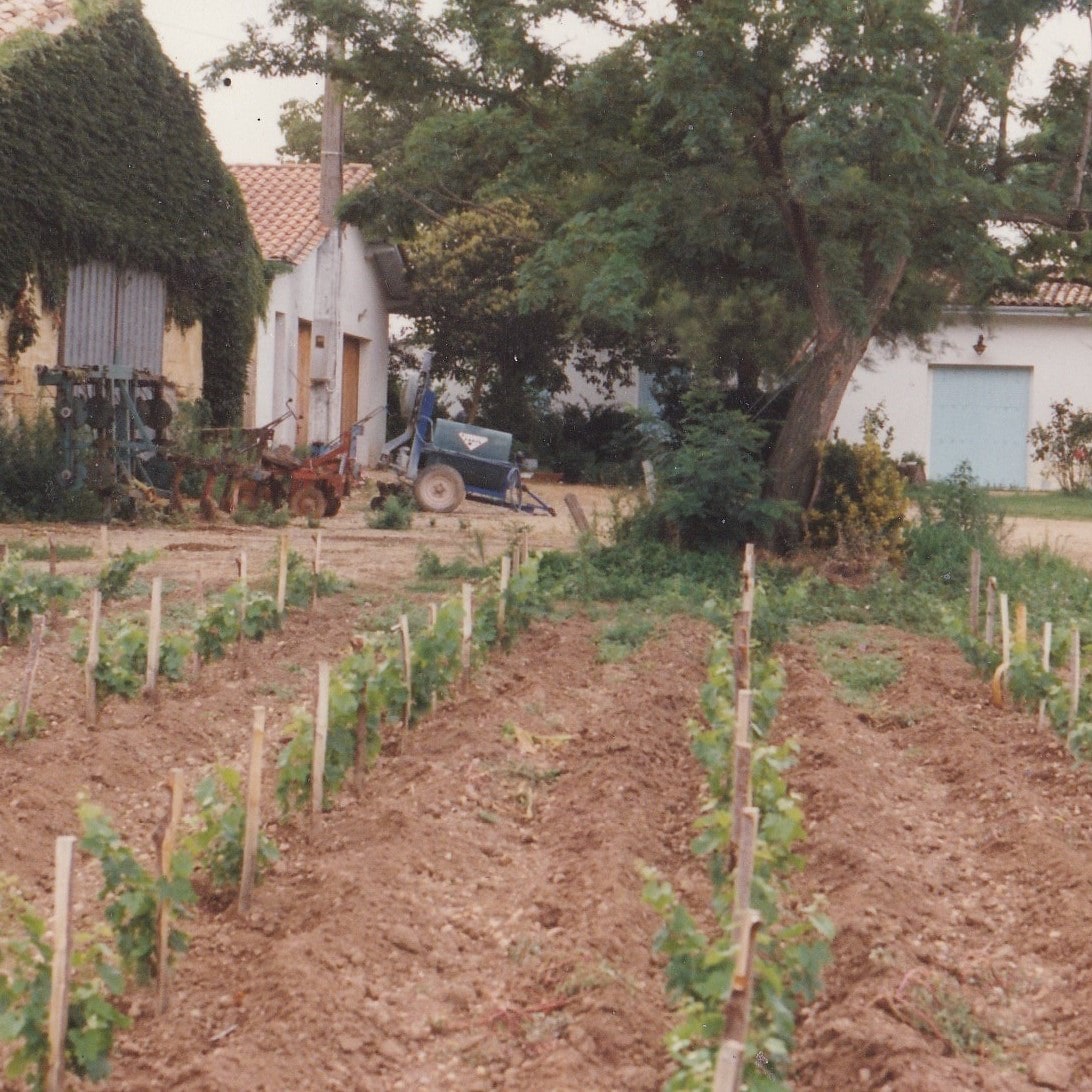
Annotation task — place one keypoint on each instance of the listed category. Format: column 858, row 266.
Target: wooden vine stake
column 64, row 852
column 524, row 547
column 741, row 651
column 576, row 510
column 322, row 725
column 991, row 607
column 282, row 572
column 502, row 599
column 176, row 788
column 1074, row 673
column 997, row 690
column 738, row 1010
column 92, row 661
column 155, row 621
column 1048, row 634
column 316, row 568
column 407, row 672
column 242, row 569
column 52, row 554
column 37, row 633
column 741, row 762
column 746, row 841
column 650, row 480
column 468, row 625
column 747, row 579
column 976, row 584
column 253, row 811
column 361, row 758
column 104, row 541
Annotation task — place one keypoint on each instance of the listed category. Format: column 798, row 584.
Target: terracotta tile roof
column 282, row 201
column 52, row 16
column 1050, row 293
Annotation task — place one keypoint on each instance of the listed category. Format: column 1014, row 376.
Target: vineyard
column 514, row 859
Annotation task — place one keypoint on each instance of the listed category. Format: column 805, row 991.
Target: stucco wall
column 1055, row 344
column 363, row 314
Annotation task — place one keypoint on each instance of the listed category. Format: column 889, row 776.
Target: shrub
column 396, row 514
column 861, row 501
column 1064, row 443
column 709, row 488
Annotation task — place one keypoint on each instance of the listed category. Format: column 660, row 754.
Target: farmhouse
column 323, row 342
column 973, row 390
column 124, row 243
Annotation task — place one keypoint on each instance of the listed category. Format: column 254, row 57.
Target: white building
column 324, row 340
column 980, row 384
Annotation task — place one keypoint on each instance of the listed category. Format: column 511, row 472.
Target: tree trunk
column 795, row 458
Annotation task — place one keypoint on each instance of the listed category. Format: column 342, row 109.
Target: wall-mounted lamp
column 980, row 344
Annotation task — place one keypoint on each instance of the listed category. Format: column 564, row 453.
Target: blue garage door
column 980, row 416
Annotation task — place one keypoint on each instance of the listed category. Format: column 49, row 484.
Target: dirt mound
column 953, row 842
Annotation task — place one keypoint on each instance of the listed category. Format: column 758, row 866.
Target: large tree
column 759, row 187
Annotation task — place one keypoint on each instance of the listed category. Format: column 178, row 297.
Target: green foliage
column 431, row 570
column 396, row 514
column 859, row 661
column 301, row 582
column 219, row 625
column 131, row 895
column 861, row 502
column 24, row 594
column 30, row 473
column 602, row 444
column 9, row 723
column 25, row 978
column 216, row 841
column 791, row 952
column 709, row 489
column 265, row 515
column 113, row 580
column 123, row 656
column 1064, row 444
column 624, row 635
column 114, row 159
column 25, row 550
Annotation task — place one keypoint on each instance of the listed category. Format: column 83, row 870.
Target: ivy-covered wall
column 104, row 153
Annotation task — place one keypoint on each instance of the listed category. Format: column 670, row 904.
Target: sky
column 243, row 117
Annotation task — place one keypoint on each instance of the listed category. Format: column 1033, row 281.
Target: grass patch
column 433, row 574
column 860, row 661
column 1043, row 505
column 624, row 635
column 37, row 551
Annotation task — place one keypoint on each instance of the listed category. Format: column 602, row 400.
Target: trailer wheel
column 439, row 488
column 307, row 501
column 333, row 503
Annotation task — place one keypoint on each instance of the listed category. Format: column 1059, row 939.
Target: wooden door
column 350, row 382
column 303, row 381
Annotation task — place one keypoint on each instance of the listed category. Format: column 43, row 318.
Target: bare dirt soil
column 473, row 920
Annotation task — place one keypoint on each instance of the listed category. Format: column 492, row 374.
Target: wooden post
column 991, row 606
column 741, row 761
column 1048, row 634
column 104, row 542
column 322, row 724
column 92, row 661
column 52, row 554
column 242, row 572
column 738, row 1010
column 361, row 763
column 37, row 633
column 176, row 787
column 572, row 502
column 155, row 614
column 1020, row 635
column 741, row 650
column 468, row 624
column 524, row 547
column 433, row 617
column 316, row 566
column 253, row 811
column 1074, row 673
column 747, row 576
column 407, row 670
column 746, row 837
column 729, row 1071
column 650, row 480
column 976, row 582
column 502, row 599
column 63, row 854
column 282, row 572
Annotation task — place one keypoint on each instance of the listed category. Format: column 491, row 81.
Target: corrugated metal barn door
column 114, row 316
column 980, row 416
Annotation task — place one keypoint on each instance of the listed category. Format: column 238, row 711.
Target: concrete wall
column 1054, row 343
column 362, row 314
